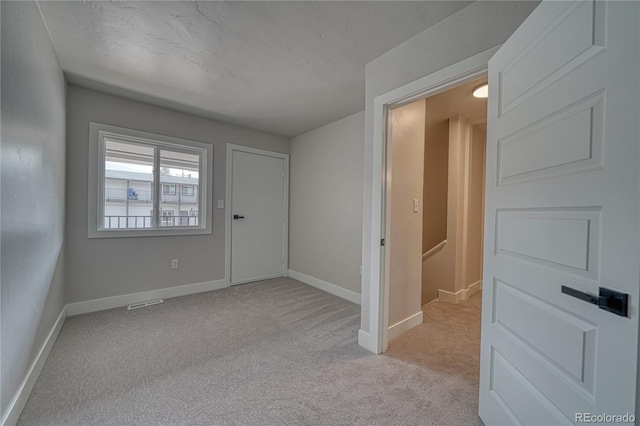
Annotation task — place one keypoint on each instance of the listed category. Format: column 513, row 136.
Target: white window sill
column 125, row 233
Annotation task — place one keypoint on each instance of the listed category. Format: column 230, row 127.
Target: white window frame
column 95, row 223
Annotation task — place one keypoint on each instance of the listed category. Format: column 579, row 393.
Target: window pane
column 187, row 190
column 128, row 185
column 179, row 178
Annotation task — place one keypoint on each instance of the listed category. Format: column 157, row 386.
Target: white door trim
column 439, row 81
column 228, row 199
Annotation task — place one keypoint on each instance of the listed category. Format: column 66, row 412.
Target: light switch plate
column 221, row 204
column 415, row 205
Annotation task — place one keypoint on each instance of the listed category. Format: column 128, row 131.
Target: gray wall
column 475, row 227
column 436, row 158
column 32, row 175
column 472, row 30
column 325, row 209
column 97, row 268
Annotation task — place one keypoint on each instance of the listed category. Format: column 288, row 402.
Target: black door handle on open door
column 609, row 300
column 236, row 217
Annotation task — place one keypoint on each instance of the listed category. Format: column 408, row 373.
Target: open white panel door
column 562, row 209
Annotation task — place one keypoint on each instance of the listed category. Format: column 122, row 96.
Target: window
column 135, row 180
column 169, row 189
column 187, row 190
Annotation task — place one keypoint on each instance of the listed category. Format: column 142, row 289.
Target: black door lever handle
column 609, row 300
column 589, row 298
column 236, row 217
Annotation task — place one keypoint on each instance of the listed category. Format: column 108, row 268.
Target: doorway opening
column 435, row 162
column 453, row 194
column 375, row 298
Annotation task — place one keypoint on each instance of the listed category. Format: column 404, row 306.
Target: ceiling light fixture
column 481, row 91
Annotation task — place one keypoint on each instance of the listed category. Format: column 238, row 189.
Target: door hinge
column 382, row 242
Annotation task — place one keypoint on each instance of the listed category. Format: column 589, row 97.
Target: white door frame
column 228, row 203
column 461, row 72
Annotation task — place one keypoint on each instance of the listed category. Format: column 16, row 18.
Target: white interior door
column 258, row 208
column 562, row 205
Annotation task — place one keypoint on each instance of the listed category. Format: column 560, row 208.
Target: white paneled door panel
column 258, row 206
column 562, row 209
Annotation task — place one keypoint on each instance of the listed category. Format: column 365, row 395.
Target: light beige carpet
column 276, row 352
column 448, row 341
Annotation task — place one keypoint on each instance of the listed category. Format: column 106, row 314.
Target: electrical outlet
column 174, row 264
column 360, row 270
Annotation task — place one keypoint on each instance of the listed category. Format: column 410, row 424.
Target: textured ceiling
column 280, row 67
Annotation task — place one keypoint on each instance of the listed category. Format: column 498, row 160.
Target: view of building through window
column 129, row 187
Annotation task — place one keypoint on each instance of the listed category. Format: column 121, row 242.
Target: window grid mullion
column 156, row 188
column 202, row 185
column 101, row 181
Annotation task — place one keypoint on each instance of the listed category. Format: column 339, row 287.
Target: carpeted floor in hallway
column 448, row 341
column 275, row 352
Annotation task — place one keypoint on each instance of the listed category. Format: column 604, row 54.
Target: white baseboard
column 336, row 290
column 460, row 295
column 126, row 299
column 450, row 297
column 405, row 325
column 429, row 303
column 18, row 402
column 474, row 288
column 364, row 340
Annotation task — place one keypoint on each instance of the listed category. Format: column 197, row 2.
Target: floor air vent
column 144, row 304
